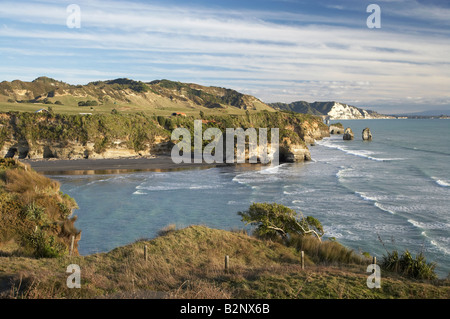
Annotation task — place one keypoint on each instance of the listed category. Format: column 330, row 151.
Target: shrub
column 409, row 266
column 161, row 121
column 274, row 221
column 34, row 213
column 43, row 245
column 87, row 103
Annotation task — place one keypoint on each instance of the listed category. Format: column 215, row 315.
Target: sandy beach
column 111, row 166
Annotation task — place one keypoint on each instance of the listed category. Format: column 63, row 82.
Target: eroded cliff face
column 314, row 131
column 36, row 136
column 36, row 139
column 45, row 149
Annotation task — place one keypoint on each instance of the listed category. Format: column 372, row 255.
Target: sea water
column 390, row 193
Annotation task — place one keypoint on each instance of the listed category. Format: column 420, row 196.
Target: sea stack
column 366, row 134
column 348, row 134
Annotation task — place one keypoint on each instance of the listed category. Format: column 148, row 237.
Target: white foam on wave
column 375, row 199
column 366, row 197
column 342, row 173
column 437, row 244
column 430, row 225
column 299, row 192
column 139, row 193
column 367, row 154
column 272, row 169
column 441, row 182
column 360, row 153
column 378, row 205
column 440, row 247
column 266, row 175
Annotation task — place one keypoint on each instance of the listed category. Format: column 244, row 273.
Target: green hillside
column 160, row 97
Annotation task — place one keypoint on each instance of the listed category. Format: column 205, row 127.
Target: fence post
column 145, row 253
column 374, row 260
column 227, row 262
column 303, row 259
column 72, row 243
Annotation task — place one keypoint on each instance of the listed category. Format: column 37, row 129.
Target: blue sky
column 278, row 51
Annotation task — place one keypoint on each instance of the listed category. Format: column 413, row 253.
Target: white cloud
column 242, row 49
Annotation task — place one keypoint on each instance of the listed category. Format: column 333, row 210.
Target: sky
column 276, row 50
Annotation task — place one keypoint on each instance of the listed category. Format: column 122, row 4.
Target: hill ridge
column 157, row 94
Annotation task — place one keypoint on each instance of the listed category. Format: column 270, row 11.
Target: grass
column 189, row 263
column 164, row 108
column 34, row 215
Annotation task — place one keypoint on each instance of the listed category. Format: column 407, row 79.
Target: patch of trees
column 88, row 103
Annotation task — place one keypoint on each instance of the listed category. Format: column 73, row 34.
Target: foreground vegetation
column 189, row 263
column 35, row 216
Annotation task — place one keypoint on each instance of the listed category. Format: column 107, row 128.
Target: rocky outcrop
column 334, row 129
column 313, row 131
column 366, row 134
column 348, row 134
column 293, row 153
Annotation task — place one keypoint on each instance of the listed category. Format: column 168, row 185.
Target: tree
column 275, row 220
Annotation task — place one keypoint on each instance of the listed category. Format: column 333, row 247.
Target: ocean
column 390, row 193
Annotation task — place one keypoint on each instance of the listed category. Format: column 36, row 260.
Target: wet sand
column 112, row 166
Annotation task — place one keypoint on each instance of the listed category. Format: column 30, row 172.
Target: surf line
column 213, row 152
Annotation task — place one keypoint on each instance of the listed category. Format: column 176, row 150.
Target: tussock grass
column 189, row 263
column 27, row 181
column 34, row 215
column 327, row 252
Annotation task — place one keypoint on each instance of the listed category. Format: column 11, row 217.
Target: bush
column 87, row 103
column 161, row 120
column 409, row 266
column 34, row 213
column 274, row 221
column 43, row 245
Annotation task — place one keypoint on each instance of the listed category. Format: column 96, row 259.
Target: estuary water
column 390, row 193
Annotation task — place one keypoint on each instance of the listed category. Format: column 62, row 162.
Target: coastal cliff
column 56, row 136
column 331, row 110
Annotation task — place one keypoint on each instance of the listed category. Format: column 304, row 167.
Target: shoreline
column 161, row 163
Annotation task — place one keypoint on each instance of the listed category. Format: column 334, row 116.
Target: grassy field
column 189, row 263
column 163, row 107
